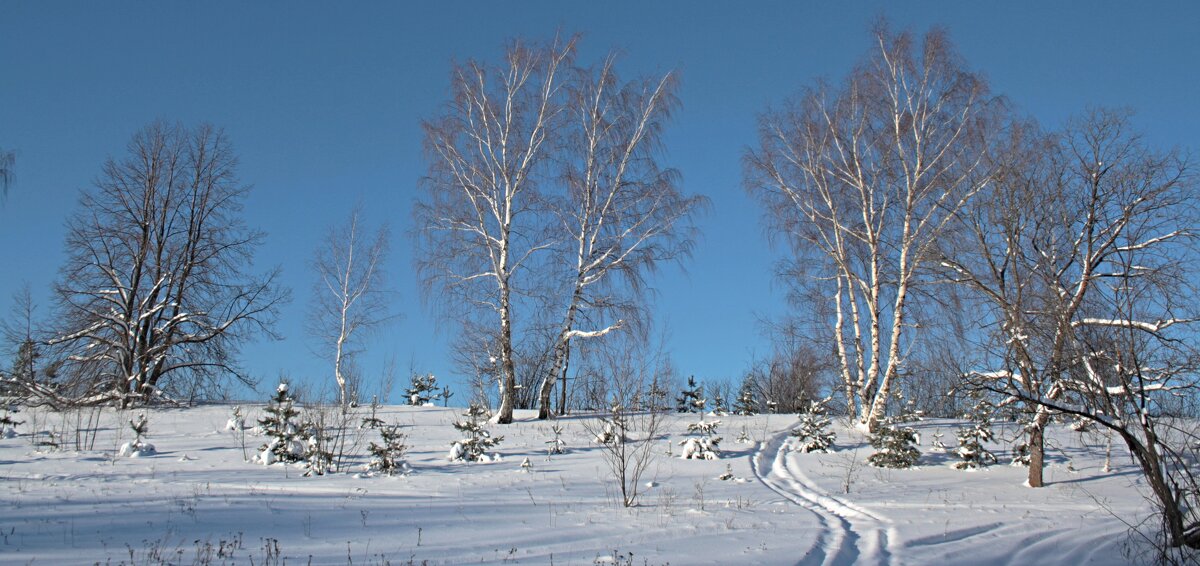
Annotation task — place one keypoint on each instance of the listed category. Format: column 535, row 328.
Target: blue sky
column 323, row 104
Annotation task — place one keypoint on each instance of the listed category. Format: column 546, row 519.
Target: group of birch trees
column 546, row 193
column 1071, row 253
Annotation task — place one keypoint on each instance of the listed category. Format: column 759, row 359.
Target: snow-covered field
column 198, row 500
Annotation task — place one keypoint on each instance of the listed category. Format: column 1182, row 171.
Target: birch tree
column 861, row 180
column 1079, row 252
column 622, row 213
column 481, row 213
column 349, row 297
column 156, row 293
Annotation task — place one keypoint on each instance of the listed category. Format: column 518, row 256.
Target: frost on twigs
column 813, row 434
column 476, row 440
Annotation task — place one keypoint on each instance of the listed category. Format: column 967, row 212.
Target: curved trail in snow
column 849, row 534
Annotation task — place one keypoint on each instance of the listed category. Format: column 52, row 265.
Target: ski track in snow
column 850, row 534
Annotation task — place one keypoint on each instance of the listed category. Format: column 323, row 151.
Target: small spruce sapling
column 658, row 397
column 423, row 391
column 745, row 405
column 813, row 434
column 372, row 421
column 719, row 408
column 691, row 400
column 704, row 447
column 556, row 445
column 971, row 438
column 476, row 440
column 388, row 456
column 279, row 426
column 237, row 420
column 139, row 447
column 895, row 447
column 446, row 394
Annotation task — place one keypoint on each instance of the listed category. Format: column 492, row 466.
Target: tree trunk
column 508, row 371
column 561, row 350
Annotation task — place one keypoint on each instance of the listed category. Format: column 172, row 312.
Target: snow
column 782, row 507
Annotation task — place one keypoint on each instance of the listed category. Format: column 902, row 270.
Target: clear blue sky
column 323, row 104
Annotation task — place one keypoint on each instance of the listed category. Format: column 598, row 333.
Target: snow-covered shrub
column 744, row 436
column 476, row 440
column 895, row 447
column 237, row 420
column 556, row 445
column 280, row 428
column 1020, row 455
column 1020, row 449
column 704, row 447
column 388, row 456
column 936, row 445
column 691, row 400
column 138, row 447
column 8, row 425
column 607, row 435
column 971, row 449
column 423, row 391
column 813, row 434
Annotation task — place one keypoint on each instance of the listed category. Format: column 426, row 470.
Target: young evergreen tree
column 691, row 400
column 556, row 445
column 971, row 438
column 813, row 434
column 138, row 447
column 423, row 391
column 476, row 440
column 387, row 457
column 895, row 447
column 279, row 426
column 706, row 446
column 746, row 403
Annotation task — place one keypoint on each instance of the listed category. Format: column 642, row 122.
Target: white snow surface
column 197, row 489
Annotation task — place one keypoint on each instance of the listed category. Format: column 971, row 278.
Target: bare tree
column 349, row 297
column 623, row 213
column 628, row 430
column 1078, row 252
column 861, row 181
column 154, row 297
column 479, row 215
